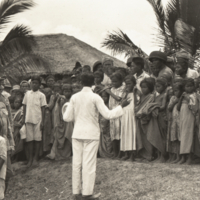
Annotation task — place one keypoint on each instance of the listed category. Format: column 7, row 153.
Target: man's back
column 86, row 115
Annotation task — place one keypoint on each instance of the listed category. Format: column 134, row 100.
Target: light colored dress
column 187, row 123
column 115, row 124
column 128, row 127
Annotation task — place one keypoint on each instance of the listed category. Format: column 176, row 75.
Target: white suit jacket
column 84, row 109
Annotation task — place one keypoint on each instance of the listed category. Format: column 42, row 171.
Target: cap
column 159, row 55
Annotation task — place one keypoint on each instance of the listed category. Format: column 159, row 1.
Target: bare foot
column 35, row 163
column 124, row 158
column 181, row 161
column 29, row 164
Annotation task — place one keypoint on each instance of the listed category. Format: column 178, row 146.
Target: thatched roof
column 63, row 51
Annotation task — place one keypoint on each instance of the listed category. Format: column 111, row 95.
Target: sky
column 91, row 20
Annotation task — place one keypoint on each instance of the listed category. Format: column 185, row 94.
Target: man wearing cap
column 182, row 66
column 158, row 60
column 136, row 65
column 107, row 63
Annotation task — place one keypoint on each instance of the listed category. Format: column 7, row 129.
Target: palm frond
column 8, row 8
column 120, row 43
column 24, row 65
column 18, row 40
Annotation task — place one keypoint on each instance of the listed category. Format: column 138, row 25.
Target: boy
column 34, row 106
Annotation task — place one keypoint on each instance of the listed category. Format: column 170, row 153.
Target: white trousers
column 84, row 158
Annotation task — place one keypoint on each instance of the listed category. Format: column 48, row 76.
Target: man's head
column 36, row 81
column 86, row 69
column 182, row 63
column 87, row 79
column 135, row 64
column 158, row 59
column 107, row 63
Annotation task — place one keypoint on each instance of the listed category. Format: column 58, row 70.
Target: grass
column 116, row 180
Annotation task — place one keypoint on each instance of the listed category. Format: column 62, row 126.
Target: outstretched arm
column 110, row 114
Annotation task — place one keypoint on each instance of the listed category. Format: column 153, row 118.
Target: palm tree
column 119, row 43
column 16, row 48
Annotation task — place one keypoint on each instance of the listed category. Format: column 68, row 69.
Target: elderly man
column 158, row 60
column 84, row 109
column 182, row 66
column 136, row 65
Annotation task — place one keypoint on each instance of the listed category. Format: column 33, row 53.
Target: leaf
column 120, row 43
column 18, row 41
column 25, row 65
column 8, row 8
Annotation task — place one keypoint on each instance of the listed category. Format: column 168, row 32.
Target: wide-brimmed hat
column 159, row 55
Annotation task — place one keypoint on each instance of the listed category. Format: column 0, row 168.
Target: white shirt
column 34, row 101
column 84, row 109
column 191, row 73
column 140, row 78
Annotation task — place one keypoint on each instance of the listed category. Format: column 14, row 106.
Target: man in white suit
column 84, row 109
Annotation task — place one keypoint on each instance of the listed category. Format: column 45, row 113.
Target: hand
column 125, row 102
column 41, row 126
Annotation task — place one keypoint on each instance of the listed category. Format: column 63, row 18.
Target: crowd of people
column 161, row 123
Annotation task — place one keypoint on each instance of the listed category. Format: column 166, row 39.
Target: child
column 50, row 81
column 128, row 123
column 24, row 86
column 34, row 106
column 173, row 124
column 105, row 144
column 161, row 99
column 116, row 94
column 47, row 131
column 57, row 88
column 188, row 108
column 76, row 87
column 17, row 113
column 147, row 134
column 98, row 78
column 61, row 148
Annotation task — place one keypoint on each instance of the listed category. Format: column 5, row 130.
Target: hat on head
column 7, row 83
column 50, row 76
column 16, row 87
column 159, row 55
column 24, row 81
column 134, row 57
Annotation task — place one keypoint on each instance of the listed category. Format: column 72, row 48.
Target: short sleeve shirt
column 34, row 101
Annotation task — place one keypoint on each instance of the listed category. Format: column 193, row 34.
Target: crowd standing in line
column 161, row 123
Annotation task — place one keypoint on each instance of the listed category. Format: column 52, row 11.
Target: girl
column 105, row 145
column 161, row 100
column 62, row 147
column 188, row 108
column 147, row 135
column 128, row 123
column 98, row 78
column 18, row 122
column 116, row 94
column 173, row 146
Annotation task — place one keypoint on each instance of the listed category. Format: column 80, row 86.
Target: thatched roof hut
column 59, row 52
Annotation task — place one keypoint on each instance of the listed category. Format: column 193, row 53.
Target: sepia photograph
column 99, row 100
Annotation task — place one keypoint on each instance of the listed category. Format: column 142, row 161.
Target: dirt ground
column 116, row 180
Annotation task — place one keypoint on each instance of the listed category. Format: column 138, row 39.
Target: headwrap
column 50, row 76
column 94, row 67
column 16, row 87
column 24, row 81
